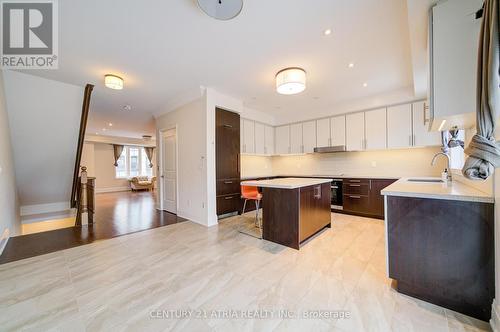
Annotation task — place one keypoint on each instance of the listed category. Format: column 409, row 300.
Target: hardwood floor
column 116, row 214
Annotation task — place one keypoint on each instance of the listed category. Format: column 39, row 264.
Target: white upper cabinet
column 269, row 140
column 296, row 143
column 260, row 142
column 337, row 134
column 375, row 129
column 355, row 134
column 248, row 136
column 399, row 131
column 323, row 133
column 308, row 136
column 455, row 36
column 282, row 135
column 421, row 135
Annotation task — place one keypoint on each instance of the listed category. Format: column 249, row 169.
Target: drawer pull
column 354, row 180
column 354, row 185
column 357, row 197
column 228, row 182
column 229, row 197
column 227, row 126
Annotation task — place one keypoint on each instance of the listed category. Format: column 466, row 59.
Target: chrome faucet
column 447, row 159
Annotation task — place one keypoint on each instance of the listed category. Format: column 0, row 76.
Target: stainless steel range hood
column 330, row 149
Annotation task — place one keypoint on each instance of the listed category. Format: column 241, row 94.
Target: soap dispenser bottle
column 444, row 175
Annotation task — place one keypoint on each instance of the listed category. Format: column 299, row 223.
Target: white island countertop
column 286, row 183
column 452, row 191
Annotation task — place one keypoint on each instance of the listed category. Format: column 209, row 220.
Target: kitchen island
column 294, row 209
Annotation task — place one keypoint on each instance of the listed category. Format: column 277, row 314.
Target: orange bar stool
column 252, row 193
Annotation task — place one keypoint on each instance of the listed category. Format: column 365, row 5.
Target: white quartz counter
column 286, row 183
column 451, row 191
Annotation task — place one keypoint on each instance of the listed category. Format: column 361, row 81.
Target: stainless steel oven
column 336, row 188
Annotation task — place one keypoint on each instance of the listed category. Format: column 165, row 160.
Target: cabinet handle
column 317, row 192
column 410, row 140
column 329, row 142
column 357, row 197
column 354, row 185
column 227, row 126
column 228, row 182
column 231, row 197
column 354, row 180
column 414, row 140
column 302, row 148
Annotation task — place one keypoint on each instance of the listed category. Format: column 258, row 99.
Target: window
column 457, row 155
column 133, row 162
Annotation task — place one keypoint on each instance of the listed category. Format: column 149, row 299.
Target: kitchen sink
column 426, row 180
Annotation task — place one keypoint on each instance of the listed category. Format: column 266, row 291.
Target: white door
column 355, row 131
column 375, row 129
column 283, row 140
column 399, row 134
column 323, row 133
column 337, row 125
column 260, row 141
column 309, row 136
column 249, row 136
column 169, row 171
column 296, row 143
column 421, row 135
column 269, row 138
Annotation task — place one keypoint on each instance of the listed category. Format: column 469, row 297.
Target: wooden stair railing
column 75, row 190
column 85, row 199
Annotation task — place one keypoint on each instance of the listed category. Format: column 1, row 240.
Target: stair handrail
column 81, row 139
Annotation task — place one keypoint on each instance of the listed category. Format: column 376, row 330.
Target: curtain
column 483, row 151
column 149, row 153
column 117, row 152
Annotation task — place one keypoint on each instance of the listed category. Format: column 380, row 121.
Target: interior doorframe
column 160, row 163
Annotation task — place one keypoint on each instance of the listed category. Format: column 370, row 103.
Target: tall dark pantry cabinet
column 227, row 151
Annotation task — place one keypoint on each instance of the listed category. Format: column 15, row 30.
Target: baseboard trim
column 188, row 217
column 4, row 239
column 495, row 316
column 28, row 210
column 111, row 190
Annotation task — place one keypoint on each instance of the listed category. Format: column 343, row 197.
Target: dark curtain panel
column 483, row 151
column 117, row 152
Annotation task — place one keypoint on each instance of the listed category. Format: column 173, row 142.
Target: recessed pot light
column 327, row 32
column 351, row 65
column 110, row 124
column 365, row 85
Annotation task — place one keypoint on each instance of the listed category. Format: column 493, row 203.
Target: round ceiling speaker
column 221, row 9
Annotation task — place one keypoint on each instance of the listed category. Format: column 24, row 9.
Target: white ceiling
column 166, row 50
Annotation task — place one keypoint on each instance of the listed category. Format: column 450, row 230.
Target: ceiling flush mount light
column 221, row 9
column 327, row 32
column 290, row 81
column 113, row 82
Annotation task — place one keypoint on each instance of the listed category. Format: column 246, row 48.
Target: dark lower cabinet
column 442, row 251
column 362, row 196
column 227, row 154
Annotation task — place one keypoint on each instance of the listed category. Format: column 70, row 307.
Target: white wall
column 404, row 162
column 370, row 102
column 190, row 120
column 44, row 119
column 9, row 210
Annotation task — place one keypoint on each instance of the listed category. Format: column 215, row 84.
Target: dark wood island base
column 291, row 216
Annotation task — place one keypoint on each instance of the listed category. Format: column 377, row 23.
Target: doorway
column 168, row 178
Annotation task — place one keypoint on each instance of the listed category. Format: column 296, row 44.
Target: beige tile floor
column 118, row 284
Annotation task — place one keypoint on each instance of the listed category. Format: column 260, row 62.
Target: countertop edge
column 464, row 198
